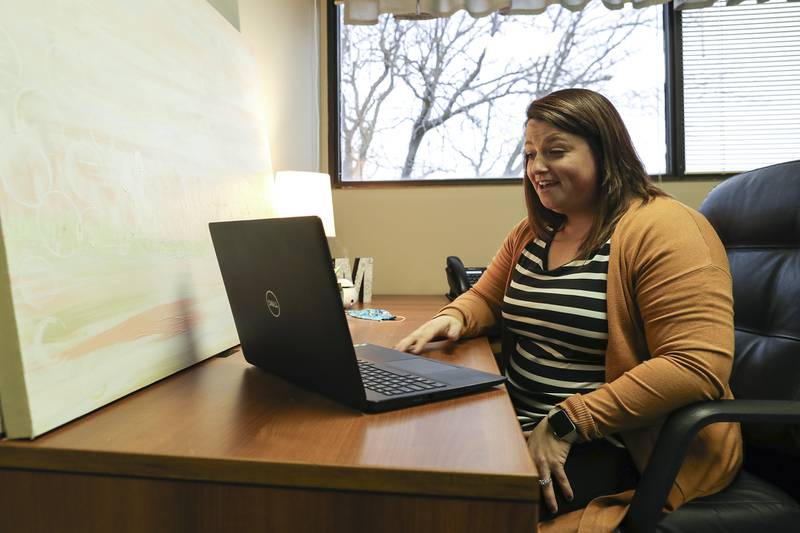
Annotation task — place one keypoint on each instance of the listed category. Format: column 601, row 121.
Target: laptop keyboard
column 391, row 384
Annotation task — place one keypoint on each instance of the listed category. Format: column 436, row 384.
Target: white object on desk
column 362, row 280
column 347, row 292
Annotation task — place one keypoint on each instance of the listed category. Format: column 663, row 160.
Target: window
column 444, row 99
column 741, row 86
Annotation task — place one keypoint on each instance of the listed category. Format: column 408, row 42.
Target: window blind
column 741, row 79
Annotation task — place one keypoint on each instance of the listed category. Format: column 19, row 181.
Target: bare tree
column 361, row 52
column 453, row 71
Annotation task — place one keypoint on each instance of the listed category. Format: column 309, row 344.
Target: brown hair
column 621, row 175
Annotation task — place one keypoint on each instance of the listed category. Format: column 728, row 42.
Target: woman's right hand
column 441, row 326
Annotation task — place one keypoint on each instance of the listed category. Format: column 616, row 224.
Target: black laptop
column 286, row 306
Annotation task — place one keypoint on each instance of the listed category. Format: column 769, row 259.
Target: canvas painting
column 126, row 127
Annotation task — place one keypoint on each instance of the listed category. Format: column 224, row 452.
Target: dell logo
column 273, row 304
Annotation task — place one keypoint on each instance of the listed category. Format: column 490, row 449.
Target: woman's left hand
column 549, row 453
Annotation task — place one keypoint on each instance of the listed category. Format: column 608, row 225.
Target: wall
column 282, row 37
column 410, row 230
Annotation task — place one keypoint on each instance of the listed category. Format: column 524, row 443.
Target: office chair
column 757, row 216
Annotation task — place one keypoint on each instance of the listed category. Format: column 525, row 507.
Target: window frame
column 675, row 132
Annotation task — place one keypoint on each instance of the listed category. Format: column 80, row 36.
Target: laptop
column 285, row 301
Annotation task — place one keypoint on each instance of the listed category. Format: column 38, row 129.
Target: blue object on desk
column 371, row 314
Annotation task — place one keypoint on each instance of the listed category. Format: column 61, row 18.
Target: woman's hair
column 621, row 175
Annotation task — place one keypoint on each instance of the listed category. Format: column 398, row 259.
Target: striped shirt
column 559, row 320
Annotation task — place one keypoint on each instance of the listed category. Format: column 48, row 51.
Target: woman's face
column 562, row 169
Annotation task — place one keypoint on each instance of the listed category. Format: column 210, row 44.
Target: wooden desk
column 225, row 447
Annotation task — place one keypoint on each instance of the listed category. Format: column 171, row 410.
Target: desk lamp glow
column 300, row 194
column 309, row 193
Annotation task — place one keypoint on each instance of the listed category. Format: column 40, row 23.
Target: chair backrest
column 757, row 216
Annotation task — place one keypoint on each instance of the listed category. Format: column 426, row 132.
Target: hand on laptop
column 440, row 327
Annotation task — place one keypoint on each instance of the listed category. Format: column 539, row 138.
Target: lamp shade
column 299, row 194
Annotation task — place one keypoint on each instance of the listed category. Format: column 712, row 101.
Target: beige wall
column 281, row 35
column 409, row 230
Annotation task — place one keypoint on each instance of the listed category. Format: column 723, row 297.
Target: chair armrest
column 673, row 442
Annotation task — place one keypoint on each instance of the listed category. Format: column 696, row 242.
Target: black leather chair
column 757, row 216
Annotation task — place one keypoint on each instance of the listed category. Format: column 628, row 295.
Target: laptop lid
column 284, row 298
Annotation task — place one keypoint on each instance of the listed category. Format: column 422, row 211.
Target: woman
column 617, row 301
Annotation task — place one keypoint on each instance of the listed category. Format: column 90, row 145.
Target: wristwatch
column 563, row 427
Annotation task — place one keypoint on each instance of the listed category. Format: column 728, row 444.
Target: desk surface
column 225, row 421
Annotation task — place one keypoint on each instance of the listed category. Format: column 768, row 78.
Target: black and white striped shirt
column 559, row 320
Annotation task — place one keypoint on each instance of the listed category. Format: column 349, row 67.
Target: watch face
column 561, row 423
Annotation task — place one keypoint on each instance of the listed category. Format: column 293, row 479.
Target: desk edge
column 484, row 485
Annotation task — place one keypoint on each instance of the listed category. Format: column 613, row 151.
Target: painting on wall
column 126, row 127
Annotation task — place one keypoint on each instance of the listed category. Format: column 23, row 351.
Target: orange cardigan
column 670, row 343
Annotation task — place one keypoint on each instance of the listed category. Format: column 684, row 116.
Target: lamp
column 303, row 194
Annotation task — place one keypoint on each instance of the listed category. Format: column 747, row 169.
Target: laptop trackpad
column 420, row 366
